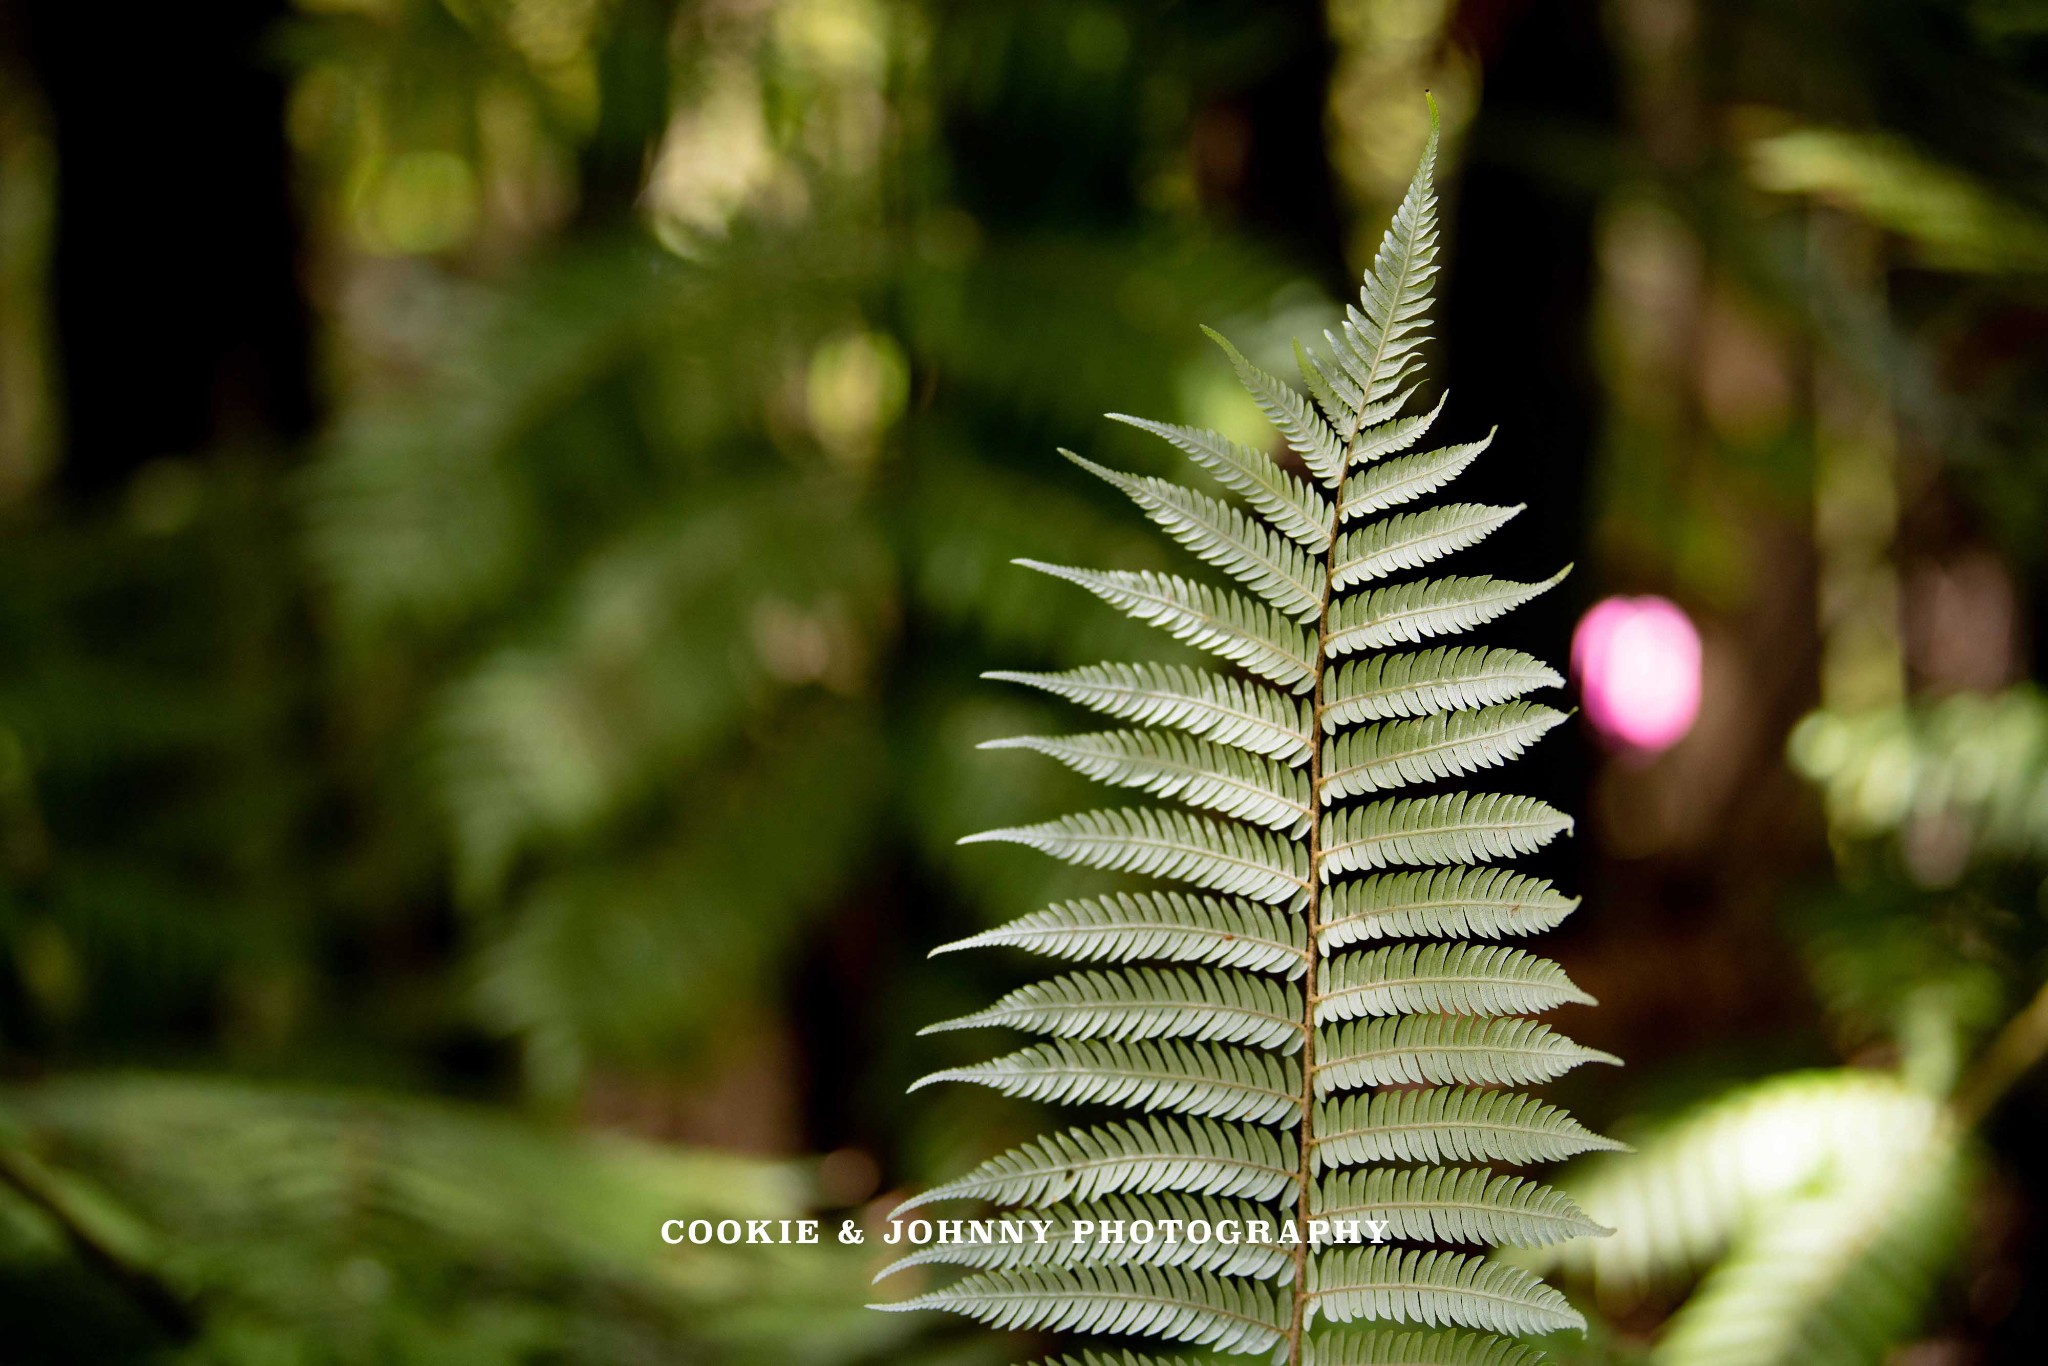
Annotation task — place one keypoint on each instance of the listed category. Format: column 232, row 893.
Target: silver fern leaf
column 1231, row 1314
column 1448, row 1124
column 1457, row 901
column 1168, row 926
column 1294, row 509
column 1455, row 1205
column 1029, row 1239
column 1232, row 1007
column 1411, row 540
column 1440, row 1049
column 1316, row 1034
column 1189, row 1079
column 1443, row 745
column 1426, row 681
column 1227, row 710
column 1240, row 545
column 1223, row 780
column 1435, row 1288
column 1382, row 1347
column 1448, row 979
column 1394, row 482
column 1197, row 1157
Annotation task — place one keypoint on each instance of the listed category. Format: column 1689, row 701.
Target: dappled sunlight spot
column 856, row 387
column 417, row 203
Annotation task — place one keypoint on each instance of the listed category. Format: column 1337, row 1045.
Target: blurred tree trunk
column 1288, row 191
column 1518, row 300
column 178, row 313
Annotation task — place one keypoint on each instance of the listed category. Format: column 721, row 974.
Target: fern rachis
column 1308, row 1029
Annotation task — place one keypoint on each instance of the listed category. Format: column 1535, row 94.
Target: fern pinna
column 1313, row 1034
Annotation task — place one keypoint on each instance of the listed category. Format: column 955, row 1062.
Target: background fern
column 1270, row 1059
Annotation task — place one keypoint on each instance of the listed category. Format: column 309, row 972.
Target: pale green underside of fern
column 1059, row 1245
column 1228, row 1313
column 1379, row 487
column 1214, row 777
column 1411, row 540
column 1445, row 1050
column 1387, row 1347
column 1364, row 1347
column 1443, row 745
column 1454, row 1205
column 1192, row 1079
column 1212, row 1010
column 1196, row 1157
column 1166, row 926
column 1425, row 681
column 1403, row 613
column 1448, row 902
column 1452, row 979
column 1435, row 1287
column 1232, row 1007
column 1270, row 565
column 1216, row 855
column 1448, row 1124
column 1456, row 827
column 1212, row 706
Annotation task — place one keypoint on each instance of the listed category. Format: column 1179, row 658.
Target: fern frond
column 1291, row 415
column 1214, row 1007
column 1296, row 511
column 1391, row 483
column 1383, row 1347
column 1227, row 781
column 1120, row 1359
column 1262, row 1020
column 1268, row 564
column 1424, row 681
column 1451, row 1124
column 1194, row 1157
column 1443, row 745
column 1031, row 1245
column 1441, row 901
column 1233, row 859
column 1172, row 926
column 1455, row 1205
column 1421, row 608
column 1456, row 827
column 1823, row 1208
column 1453, row 979
column 1205, row 1080
column 1410, row 540
column 1245, row 633
column 1436, row 1288
column 1445, row 1050
column 1210, row 1311
column 1213, row 706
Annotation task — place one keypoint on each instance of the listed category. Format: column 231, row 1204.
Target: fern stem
column 1311, row 995
column 1310, row 992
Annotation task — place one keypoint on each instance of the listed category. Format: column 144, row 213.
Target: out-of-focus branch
column 2021, row 1045
column 165, row 1306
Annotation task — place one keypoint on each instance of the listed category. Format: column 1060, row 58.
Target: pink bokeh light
column 1637, row 661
